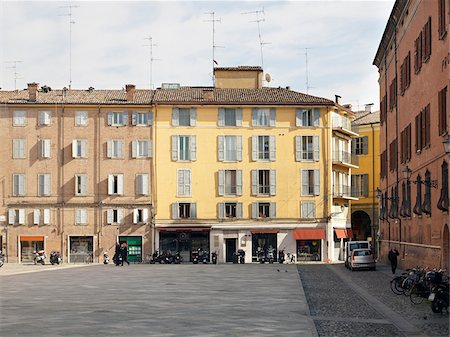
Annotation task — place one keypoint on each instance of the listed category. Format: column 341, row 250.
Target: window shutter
column 254, row 116
column 193, row 116
column 272, row 148
column 144, row 184
column 110, row 118
column 109, row 148
column 427, row 123
column 298, row 148
column 316, row 147
column 46, row 184
column 365, row 145
column 109, row 216
column 133, row 118
column 221, row 180
column 238, row 182
column 273, row 210
column 273, row 117
column 83, row 148
column 220, row 148
column 125, row 118
column 37, row 216
column 11, row 216
column 305, row 182
column 21, row 184
column 316, row 182
column 139, row 184
column 134, row 149
column 77, row 216
column 41, row 117
column 46, row 216
column 221, row 210
column 193, row 211
column 187, row 182
column 21, row 216
column 175, row 117
column 84, row 216
column 254, row 210
column 120, row 215
column 16, row 145
column 254, row 182
column 193, row 149
column 239, row 210
column 83, row 184
column 298, row 117
column 120, row 146
column 135, row 216
column 145, row 215
column 74, row 148
column 221, row 118
column 180, row 182
column 353, row 144
column 120, row 184
column 175, row 214
column 239, row 148
column 46, row 148
column 254, row 148
column 150, row 118
column 365, row 185
column 149, row 149
column 175, row 148
column 238, row 116
column 316, row 117
column 273, row 182
column 110, row 184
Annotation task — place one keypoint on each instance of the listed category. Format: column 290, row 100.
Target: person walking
column 116, row 258
column 124, row 253
column 392, row 256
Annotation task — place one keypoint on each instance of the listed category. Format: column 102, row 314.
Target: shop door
column 81, row 249
column 134, row 244
column 28, row 245
column 230, row 249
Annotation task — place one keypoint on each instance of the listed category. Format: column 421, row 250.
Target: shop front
column 263, row 240
column 184, row 241
column 28, row 245
column 81, row 249
column 134, row 244
column 341, row 236
column 309, row 243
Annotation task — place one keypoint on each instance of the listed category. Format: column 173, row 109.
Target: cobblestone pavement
column 361, row 304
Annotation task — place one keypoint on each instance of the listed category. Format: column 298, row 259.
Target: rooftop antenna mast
column 259, row 18
column 214, row 46
column 14, row 66
column 307, row 75
column 71, row 22
column 151, row 45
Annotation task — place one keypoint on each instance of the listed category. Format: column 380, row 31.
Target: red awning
column 309, row 234
column 265, row 231
column 344, row 233
column 31, row 238
column 184, row 229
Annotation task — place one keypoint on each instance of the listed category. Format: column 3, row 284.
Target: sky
column 109, row 47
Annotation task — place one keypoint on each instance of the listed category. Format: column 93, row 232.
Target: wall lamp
column 379, row 193
column 407, row 175
column 446, row 144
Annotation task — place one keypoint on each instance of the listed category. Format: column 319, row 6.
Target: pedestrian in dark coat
column 116, row 255
column 124, row 253
column 392, row 256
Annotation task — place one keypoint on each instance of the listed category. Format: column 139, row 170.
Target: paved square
column 156, row 300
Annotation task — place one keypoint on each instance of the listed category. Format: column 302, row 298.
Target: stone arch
column 361, row 225
column 445, row 248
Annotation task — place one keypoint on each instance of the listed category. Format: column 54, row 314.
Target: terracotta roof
column 364, row 118
column 240, row 68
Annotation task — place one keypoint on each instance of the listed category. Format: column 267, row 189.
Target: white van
column 349, row 246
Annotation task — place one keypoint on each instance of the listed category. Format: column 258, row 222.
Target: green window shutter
column 150, row 118
column 365, row 185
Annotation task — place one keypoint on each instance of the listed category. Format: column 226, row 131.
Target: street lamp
column 446, row 144
column 407, row 175
column 380, row 193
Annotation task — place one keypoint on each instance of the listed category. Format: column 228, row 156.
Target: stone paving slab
column 156, row 300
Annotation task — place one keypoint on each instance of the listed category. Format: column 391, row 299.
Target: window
column 426, row 43
column 230, row 117
column 341, row 184
column 184, row 148
column 114, row 216
column 44, row 184
column 115, row 184
column 117, row 118
column 80, row 184
column 142, row 118
column 16, row 216
column 19, row 185
column 405, row 139
column 81, row 118
column 114, row 148
column 263, row 182
column 418, row 54
column 230, row 148
column 79, row 148
column 393, row 94
column 383, row 164
column 41, row 217
column 307, row 117
column 442, row 108
column 262, row 210
column 184, row 116
column 383, row 110
column 310, row 182
column 45, row 117
column 81, row 216
column 393, row 155
column 307, row 148
column 142, row 184
column 184, row 210
column 441, row 17
column 19, row 118
column 308, row 209
column 264, row 117
column 19, row 148
column 263, row 148
column 230, row 210
column 423, row 129
column 184, row 179
column 360, row 185
column 230, row 182
column 405, row 73
column 45, row 148
column 361, row 145
column 140, row 216
column 141, row 149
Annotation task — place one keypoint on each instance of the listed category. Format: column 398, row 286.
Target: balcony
column 343, row 125
column 343, row 192
column 346, row 159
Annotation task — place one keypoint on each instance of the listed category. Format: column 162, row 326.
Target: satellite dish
column 268, row 78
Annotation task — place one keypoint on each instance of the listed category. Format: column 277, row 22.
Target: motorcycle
column 39, row 257
column 440, row 298
column 203, row 256
column 270, row 255
column 281, row 256
column 214, row 257
column 241, row 254
column 105, row 258
column 261, row 255
column 55, row 258
column 178, row 258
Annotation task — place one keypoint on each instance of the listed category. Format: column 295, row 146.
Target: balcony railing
column 345, row 191
column 341, row 122
column 345, row 157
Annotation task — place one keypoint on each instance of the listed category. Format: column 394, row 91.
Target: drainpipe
column 396, row 129
column 374, row 235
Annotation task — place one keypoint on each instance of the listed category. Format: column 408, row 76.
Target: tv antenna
column 307, row 75
column 14, row 66
column 71, row 22
column 151, row 45
column 259, row 18
column 214, row 46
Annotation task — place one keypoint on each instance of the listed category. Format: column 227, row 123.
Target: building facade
column 413, row 63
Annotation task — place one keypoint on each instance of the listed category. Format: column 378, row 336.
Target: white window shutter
column 139, row 184
column 180, row 182
column 133, row 118
column 193, row 147
column 22, row 190
column 273, row 182
column 120, row 147
column 21, row 216
column 273, row 117
column 239, row 210
column 303, row 209
column 37, row 216
column 175, row 214
column 149, row 149
column 316, row 117
column 221, row 181
column 120, row 216
column 273, row 210
column 272, row 148
column 316, row 147
column 134, row 149
column 254, row 148
column 11, row 216
column 16, row 153
column 298, row 148
column 109, row 216
column 47, row 183
column 254, row 116
column 120, row 184
column 110, row 118
column 175, row 140
column 221, row 210
column 187, row 182
column 221, row 148
column 84, row 216
column 145, row 215
column 238, row 116
column 221, row 118
column 175, row 117
column 298, row 117
column 125, row 118
column 255, row 210
column 46, row 216
column 46, row 148
column 83, row 153
column 110, row 184
column 109, row 145
column 238, row 182
column 78, row 216
column 254, row 182
column 74, row 148
column 145, row 184
column 305, row 182
column 193, row 116
column 316, row 182
column 239, row 148
column 83, row 179
column 193, row 211
column 150, row 118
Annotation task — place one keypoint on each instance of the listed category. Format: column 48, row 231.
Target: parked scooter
column 281, row 256
column 261, row 255
column 241, row 254
column 178, row 258
column 39, row 257
column 2, row 259
column 105, row 258
column 203, row 256
column 270, row 254
column 195, row 256
column 55, row 258
column 214, row 257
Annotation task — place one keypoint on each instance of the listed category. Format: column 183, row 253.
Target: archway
column 445, row 248
column 361, row 225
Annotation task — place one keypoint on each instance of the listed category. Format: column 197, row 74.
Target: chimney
column 130, row 89
column 208, row 94
column 368, row 108
column 336, row 98
column 32, row 91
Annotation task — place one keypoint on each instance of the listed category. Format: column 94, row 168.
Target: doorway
column 230, row 249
